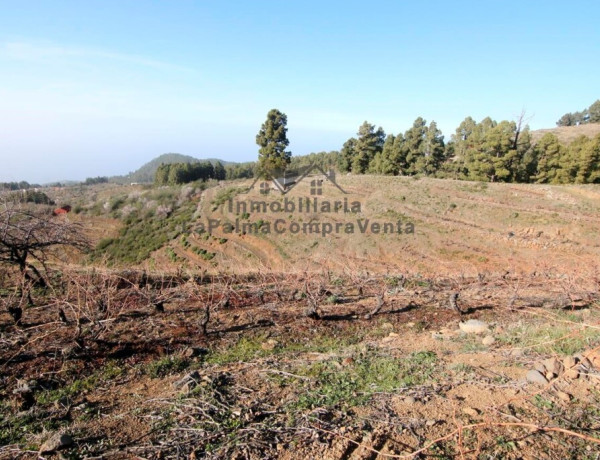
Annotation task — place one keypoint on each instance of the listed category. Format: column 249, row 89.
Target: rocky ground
column 288, row 367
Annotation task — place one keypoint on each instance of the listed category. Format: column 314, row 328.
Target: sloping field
column 448, row 227
column 567, row 134
column 471, row 334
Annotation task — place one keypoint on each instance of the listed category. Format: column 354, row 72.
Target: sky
column 100, row 87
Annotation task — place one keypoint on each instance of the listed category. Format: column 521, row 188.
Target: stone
column 564, row 396
column 569, row 362
column 347, row 361
column 550, row 375
column 193, row 352
column 473, row 326
column 56, row 442
column 540, row 368
column 572, row 374
column 553, row 365
column 535, row 376
column 410, row 400
column 517, row 352
column 471, row 411
column 430, row 422
column 269, row 345
column 488, row 340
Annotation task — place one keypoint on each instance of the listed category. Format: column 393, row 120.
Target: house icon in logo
column 287, row 180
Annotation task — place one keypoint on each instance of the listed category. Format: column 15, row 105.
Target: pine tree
column 413, row 138
column 594, row 112
column 347, row 155
column 433, row 149
column 220, row 173
column 368, row 144
column 273, row 159
column 588, row 168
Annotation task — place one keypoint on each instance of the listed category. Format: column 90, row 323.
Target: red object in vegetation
column 64, row 210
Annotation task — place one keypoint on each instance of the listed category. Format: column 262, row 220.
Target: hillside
column 459, row 226
column 473, row 336
column 567, row 134
column 145, row 174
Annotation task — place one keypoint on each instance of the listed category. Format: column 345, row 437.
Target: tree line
column 183, row 173
column 481, row 151
column 96, row 180
column 23, row 185
column 589, row 115
column 485, row 151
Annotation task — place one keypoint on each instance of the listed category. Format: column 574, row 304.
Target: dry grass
column 567, row 134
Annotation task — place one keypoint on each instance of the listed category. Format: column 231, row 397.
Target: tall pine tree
column 273, row 158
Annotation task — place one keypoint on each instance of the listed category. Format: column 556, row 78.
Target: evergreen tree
column 383, row 161
column 347, row 155
column 433, row 149
column 220, row 173
column 588, row 167
column 568, row 119
column 273, row 159
column 413, row 139
column 368, row 144
column 594, row 112
column 570, row 162
column 549, row 153
column 457, row 150
column 161, row 177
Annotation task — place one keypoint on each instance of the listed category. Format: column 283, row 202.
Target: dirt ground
column 459, row 228
column 343, row 346
column 270, row 380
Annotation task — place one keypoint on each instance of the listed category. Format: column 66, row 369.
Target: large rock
column 534, row 376
column 473, row 326
column 553, row 365
column 56, row 442
column 488, row 340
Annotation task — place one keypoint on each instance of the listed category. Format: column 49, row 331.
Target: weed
column 166, row 366
column 366, row 375
column 246, row 349
column 333, row 299
column 462, row 368
column 225, row 195
column 553, row 338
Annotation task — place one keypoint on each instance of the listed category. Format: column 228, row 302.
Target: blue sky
column 93, row 88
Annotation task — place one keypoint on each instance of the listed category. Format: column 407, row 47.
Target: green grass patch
column 141, row 236
column 225, row 195
column 334, row 385
column 166, row 366
column 553, row 337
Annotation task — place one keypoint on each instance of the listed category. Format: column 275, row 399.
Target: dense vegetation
column 184, row 173
column 146, row 173
column 485, row 151
column 96, row 180
column 151, row 219
column 23, row 185
column 29, row 196
column 482, row 151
